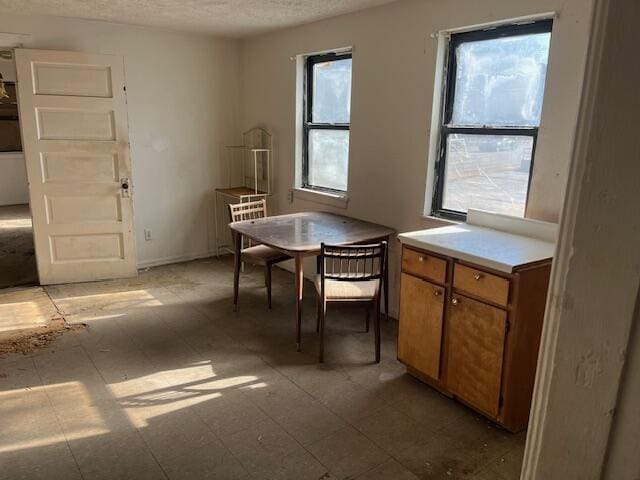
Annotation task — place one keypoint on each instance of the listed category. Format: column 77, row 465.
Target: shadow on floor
column 17, row 256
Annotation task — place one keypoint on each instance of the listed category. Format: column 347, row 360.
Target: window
column 491, row 114
column 327, row 111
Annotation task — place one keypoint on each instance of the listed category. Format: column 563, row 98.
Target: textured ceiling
column 235, row 18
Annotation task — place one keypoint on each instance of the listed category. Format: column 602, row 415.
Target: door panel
column 475, row 352
column 77, row 80
column 83, row 248
column 79, row 167
column 420, row 330
column 76, row 144
column 75, row 124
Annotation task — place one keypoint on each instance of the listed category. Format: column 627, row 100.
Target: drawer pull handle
column 437, row 293
column 454, row 301
column 478, row 276
column 421, row 259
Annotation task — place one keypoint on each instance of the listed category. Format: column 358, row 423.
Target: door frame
column 582, row 355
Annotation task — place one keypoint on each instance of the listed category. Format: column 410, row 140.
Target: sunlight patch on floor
column 37, row 429
column 25, row 308
column 145, row 398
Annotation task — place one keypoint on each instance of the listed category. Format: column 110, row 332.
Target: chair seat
column 345, row 290
column 262, row 254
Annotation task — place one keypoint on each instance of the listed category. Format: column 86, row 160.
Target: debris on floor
column 27, row 341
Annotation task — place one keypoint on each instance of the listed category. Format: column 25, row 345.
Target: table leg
column 386, row 279
column 299, row 273
column 237, row 254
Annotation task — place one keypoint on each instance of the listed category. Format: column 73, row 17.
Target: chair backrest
column 248, row 210
column 351, row 263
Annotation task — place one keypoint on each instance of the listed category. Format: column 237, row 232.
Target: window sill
column 325, row 198
column 439, row 221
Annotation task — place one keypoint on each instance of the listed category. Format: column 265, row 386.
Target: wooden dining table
column 300, row 235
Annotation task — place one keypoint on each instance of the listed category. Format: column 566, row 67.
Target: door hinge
column 500, row 401
column 507, row 326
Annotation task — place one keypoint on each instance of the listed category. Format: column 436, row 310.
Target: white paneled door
column 73, row 115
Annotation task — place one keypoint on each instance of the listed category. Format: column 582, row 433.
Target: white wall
column 394, row 63
column 183, row 99
column 13, row 179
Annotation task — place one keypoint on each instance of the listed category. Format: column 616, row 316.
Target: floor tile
column 390, row 470
column 347, row 453
column 207, row 462
column 39, row 462
column 121, row 455
column 392, row 430
column 168, row 381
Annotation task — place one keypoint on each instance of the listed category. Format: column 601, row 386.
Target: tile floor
column 167, row 382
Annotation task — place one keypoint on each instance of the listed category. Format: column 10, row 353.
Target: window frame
column 446, row 128
column 307, row 121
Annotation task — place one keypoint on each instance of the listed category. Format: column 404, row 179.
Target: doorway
column 17, row 255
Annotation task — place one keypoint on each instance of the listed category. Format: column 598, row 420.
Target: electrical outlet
column 147, row 234
column 290, row 196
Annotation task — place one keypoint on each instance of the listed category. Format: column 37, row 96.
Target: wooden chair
column 255, row 254
column 352, row 274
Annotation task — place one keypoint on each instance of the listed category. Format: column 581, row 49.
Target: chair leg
column 323, row 316
column 236, row 271
column 377, row 328
column 267, row 282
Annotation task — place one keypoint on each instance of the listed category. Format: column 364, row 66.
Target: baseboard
column 156, row 262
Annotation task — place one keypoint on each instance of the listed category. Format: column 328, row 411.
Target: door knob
column 124, row 184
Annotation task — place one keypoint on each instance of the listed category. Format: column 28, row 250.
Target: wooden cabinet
column 476, row 346
column 421, row 319
column 472, row 332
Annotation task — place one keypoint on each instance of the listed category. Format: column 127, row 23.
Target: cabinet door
column 420, row 329
column 475, row 352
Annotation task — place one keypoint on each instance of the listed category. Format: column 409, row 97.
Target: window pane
column 328, row 158
column 332, row 92
column 501, row 81
column 489, row 172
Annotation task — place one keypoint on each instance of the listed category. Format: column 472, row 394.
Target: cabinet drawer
column 423, row 265
column 481, row 284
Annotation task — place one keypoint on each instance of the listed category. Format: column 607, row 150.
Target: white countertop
column 488, row 247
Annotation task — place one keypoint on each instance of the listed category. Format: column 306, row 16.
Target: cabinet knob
column 478, row 276
column 421, row 259
column 454, row 301
column 437, row 293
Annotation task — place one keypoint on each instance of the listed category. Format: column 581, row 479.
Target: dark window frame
column 446, row 127
column 307, row 121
